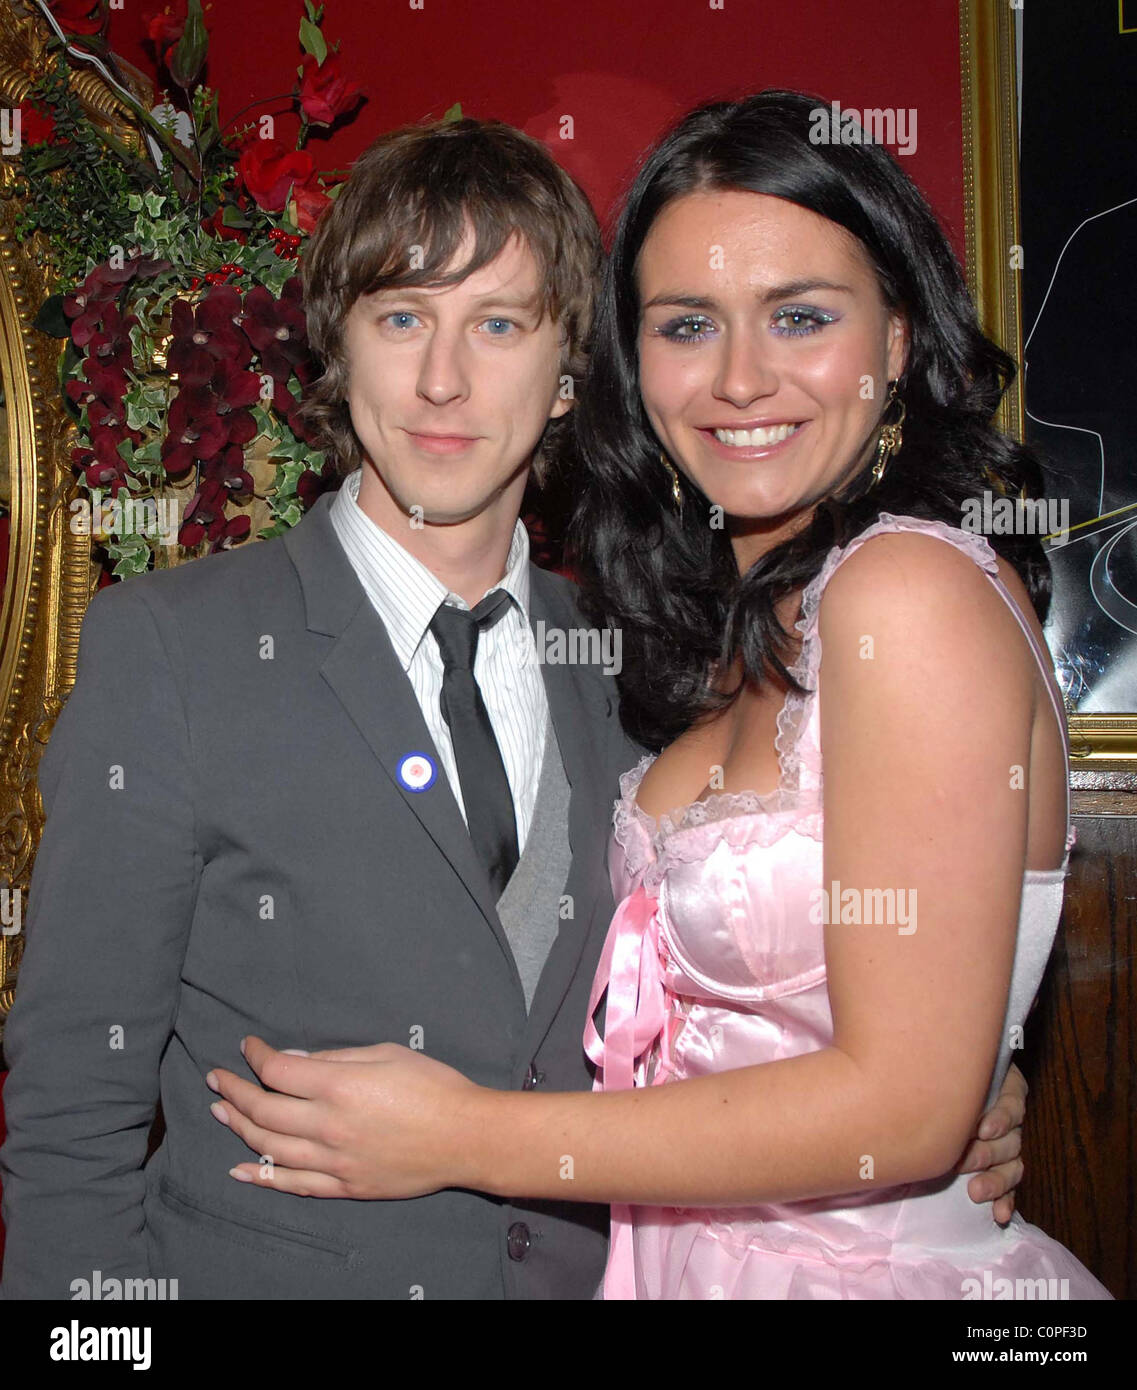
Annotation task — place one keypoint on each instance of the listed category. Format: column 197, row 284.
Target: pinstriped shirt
column 406, row 595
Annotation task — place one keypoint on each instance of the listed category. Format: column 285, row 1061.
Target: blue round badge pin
column 417, row 772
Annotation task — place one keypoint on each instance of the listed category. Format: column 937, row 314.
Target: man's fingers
column 986, row 1153
column 996, row 1182
column 1004, row 1208
column 1009, row 1109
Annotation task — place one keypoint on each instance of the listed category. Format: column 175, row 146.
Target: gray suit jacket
column 228, row 850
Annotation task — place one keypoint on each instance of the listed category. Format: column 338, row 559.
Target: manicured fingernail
column 219, row 1112
column 211, row 1080
column 242, row 1047
column 295, row 1051
column 241, row 1177
column 988, row 1129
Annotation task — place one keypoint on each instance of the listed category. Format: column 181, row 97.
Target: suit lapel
column 369, row 681
column 578, row 710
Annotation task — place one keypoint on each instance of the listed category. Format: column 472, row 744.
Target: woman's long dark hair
column 670, row 582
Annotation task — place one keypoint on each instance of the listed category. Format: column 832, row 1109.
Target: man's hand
column 361, row 1122
column 994, row 1155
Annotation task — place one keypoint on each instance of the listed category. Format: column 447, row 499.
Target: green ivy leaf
column 454, row 113
column 312, row 41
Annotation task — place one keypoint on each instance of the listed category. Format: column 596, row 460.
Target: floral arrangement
column 185, row 353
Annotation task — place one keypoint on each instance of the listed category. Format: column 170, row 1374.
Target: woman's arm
column 927, row 698
column 926, row 707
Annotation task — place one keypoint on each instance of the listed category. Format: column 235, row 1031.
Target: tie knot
column 456, row 629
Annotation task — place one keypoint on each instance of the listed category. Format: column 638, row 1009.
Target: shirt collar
column 403, row 590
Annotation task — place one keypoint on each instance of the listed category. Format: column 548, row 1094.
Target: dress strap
column 980, row 550
column 1046, row 666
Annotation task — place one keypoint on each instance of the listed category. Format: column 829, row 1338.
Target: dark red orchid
column 87, row 305
column 234, row 530
column 235, row 388
column 104, row 382
column 228, row 469
column 206, row 335
column 311, row 485
column 112, row 346
column 79, row 16
column 277, row 328
column 205, row 517
column 325, row 94
column 194, row 430
column 100, row 469
column 268, row 170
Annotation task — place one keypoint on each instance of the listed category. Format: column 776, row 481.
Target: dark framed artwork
column 1052, row 252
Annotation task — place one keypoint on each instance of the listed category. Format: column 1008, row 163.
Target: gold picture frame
column 1099, row 743
column 50, row 576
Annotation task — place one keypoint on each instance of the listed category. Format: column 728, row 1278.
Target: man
column 322, row 791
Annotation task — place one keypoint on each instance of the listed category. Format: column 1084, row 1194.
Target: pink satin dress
column 714, row 961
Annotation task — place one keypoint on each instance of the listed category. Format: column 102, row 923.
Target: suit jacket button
column 518, row 1241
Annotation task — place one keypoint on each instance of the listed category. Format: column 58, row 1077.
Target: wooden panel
column 1079, row 1058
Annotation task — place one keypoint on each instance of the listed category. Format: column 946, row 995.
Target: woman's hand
column 362, row 1122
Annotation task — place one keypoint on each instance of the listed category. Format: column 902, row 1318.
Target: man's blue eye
column 399, row 314
column 496, row 324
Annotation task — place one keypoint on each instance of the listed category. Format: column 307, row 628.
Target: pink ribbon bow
column 631, row 973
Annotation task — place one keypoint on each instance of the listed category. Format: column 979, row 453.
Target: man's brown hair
column 416, row 189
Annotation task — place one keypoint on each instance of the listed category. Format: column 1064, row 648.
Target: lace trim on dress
column 794, row 755
column 744, row 818
column 795, row 804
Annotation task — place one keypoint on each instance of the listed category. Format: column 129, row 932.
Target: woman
column 811, row 985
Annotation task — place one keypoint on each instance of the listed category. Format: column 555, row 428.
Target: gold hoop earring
column 676, row 494
column 891, row 436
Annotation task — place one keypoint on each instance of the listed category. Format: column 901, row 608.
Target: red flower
column 101, row 392
column 112, row 347
column 205, row 516
column 325, row 93
column 88, row 304
column 209, row 335
column 165, row 29
column 228, row 469
column 311, row 204
column 195, row 430
column 277, row 328
column 216, row 227
column 102, row 469
column 37, row 126
column 311, row 485
column 79, row 16
column 268, row 170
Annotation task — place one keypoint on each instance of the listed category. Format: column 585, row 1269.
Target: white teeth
column 750, row 439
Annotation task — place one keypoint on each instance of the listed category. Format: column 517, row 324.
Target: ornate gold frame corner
column 50, row 575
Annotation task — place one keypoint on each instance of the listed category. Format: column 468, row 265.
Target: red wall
column 622, row 71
